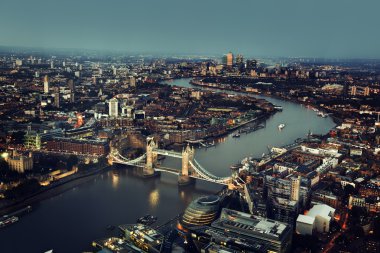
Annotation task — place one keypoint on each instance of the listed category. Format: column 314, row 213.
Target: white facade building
column 318, row 218
column 113, row 107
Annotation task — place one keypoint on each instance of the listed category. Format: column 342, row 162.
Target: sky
column 288, row 28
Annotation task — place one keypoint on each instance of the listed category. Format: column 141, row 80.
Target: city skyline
column 166, row 28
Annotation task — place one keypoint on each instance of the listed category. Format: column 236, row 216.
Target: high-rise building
column 18, row 62
column 56, row 97
column 132, row 81
column 239, row 59
column 51, row 64
column 46, row 84
column 366, row 91
column 71, row 85
column 353, row 90
column 230, row 59
column 295, row 188
column 284, row 198
column 113, row 107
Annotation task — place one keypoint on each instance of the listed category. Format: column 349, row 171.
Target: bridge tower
column 187, row 157
column 151, row 157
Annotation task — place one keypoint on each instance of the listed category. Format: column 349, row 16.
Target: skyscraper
column 56, row 97
column 353, row 91
column 230, row 59
column 46, row 84
column 295, row 188
column 71, row 85
column 132, row 81
column 239, row 59
column 113, row 107
column 366, row 91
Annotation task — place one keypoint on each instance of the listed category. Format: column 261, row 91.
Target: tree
column 376, row 227
column 18, row 137
column 27, row 187
column 71, row 161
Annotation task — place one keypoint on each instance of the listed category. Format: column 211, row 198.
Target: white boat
column 281, row 126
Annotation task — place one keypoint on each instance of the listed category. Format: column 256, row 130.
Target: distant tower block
column 46, row 84
column 151, row 157
column 295, row 190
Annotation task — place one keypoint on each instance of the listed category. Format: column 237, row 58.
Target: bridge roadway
column 167, row 153
column 200, row 172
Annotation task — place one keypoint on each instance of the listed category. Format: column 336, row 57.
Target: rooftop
column 250, row 225
column 321, row 210
column 305, row 219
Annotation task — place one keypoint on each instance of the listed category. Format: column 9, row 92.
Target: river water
column 70, row 221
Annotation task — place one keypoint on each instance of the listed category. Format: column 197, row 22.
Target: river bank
column 69, row 221
column 337, row 120
column 51, row 191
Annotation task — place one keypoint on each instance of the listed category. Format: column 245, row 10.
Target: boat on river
column 147, row 219
column 281, row 126
column 236, row 135
column 8, row 221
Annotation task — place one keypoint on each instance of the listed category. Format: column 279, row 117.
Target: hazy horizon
column 293, row 28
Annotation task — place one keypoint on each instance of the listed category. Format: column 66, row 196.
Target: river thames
column 70, row 221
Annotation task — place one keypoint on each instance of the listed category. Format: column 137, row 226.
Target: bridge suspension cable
column 118, row 158
column 207, row 175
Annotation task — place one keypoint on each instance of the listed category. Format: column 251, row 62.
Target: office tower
column 229, row 59
column 56, row 97
column 284, row 198
column 46, row 84
column 353, row 90
column 51, row 64
column 240, row 62
column 71, row 85
column 77, row 74
column 239, row 59
column 18, row 62
column 295, row 188
column 37, row 74
column 80, row 67
column 113, row 107
column 366, row 91
column 63, row 64
column 132, row 81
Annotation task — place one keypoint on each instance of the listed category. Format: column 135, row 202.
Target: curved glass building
column 200, row 212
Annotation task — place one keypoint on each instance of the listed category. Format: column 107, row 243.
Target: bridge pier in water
column 187, row 156
column 151, row 158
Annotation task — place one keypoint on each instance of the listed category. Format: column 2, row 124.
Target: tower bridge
column 191, row 169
